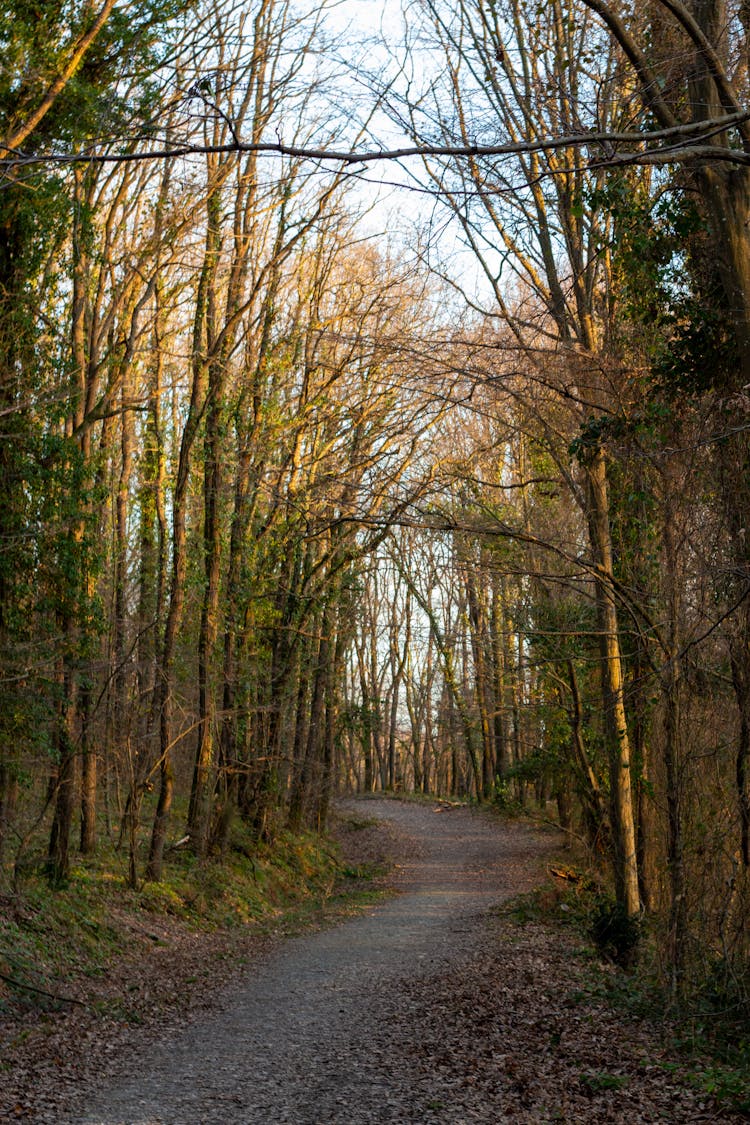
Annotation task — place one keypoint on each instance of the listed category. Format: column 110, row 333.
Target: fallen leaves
column 515, row 1035
column 503, row 1027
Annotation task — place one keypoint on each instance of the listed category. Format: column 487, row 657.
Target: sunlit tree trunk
column 478, row 627
column 73, row 580
column 179, row 544
column 498, row 677
column 621, row 793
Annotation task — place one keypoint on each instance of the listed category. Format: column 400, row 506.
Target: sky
column 397, row 198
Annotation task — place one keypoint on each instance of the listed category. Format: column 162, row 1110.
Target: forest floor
column 437, row 1004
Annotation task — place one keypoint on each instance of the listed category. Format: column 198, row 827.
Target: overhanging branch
column 676, row 144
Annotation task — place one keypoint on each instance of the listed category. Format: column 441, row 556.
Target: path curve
column 305, row 1038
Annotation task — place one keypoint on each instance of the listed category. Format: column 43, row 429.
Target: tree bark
column 618, row 744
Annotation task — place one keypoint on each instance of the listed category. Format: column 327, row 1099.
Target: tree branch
column 14, row 141
column 683, row 143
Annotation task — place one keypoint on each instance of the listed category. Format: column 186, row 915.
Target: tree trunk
column 89, row 771
column 8, row 795
column 618, row 745
column 58, row 857
column 592, row 797
column 477, row 620
column 740, row 660
column 179, row 559
column 497, row 614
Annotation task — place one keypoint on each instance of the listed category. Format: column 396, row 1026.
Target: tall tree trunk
column 333, row 679
column 179, row 546
column 300, row 748
column 477, row 620
column 740, row 661
column 198, row 811
column 734, row 478
column 593, row 798
column 308, row 776
column 58, row 856
column 74, row 581
column 610, row 662
column 89, row 773
column 497, row 615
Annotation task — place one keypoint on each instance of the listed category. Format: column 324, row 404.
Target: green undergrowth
column 52, row 939
column 708, row 1027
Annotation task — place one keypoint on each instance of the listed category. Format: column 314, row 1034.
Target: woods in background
column 289, row 510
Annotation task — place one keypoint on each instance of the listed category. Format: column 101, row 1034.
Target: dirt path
column 425, row 1010
column 309, row 1039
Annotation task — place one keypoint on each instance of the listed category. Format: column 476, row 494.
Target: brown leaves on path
column 521, row 1031
column 507, row 1026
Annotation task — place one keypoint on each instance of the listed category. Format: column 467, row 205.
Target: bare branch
column 678, row 144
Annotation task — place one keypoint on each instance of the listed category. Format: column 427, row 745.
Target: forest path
column 427, row 1009
column 308, row 1036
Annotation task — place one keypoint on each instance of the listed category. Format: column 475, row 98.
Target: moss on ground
column 52, row 939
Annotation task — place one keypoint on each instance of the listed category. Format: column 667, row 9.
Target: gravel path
column 320, row 1032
